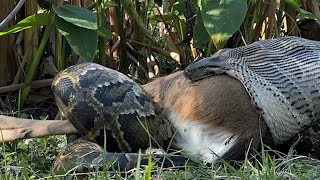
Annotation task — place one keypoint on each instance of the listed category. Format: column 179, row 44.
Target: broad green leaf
column 222, row 18
column 200, row 35
column 295, row 4
column 78, row 16
column 104, row 32
column 106, row 5
column 83, row 41
column 307, row 14
column 178, row 9
column 41, row 19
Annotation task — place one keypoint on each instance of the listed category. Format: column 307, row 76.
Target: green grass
column 32, row 159
column 29, row 158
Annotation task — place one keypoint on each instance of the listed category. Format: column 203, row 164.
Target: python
column 231, row 103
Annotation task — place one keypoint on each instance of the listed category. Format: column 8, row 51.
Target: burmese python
column 279, row 75
column 282, row 76
column 110, row 109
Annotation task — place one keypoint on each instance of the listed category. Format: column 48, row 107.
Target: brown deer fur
column 220, row 102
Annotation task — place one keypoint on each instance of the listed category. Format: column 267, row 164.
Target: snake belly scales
column 282, row 76
column 101, row 102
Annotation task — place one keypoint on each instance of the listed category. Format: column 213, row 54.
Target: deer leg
column 12, row 128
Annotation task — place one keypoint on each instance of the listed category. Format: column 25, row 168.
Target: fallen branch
column 34, row 84
column 12, row 128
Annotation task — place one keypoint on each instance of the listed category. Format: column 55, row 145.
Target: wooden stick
column 12, row 128
column 34, row 84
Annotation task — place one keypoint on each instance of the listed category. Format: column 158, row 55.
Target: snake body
column 282, row 76
column 109, row 110
column 101, row 102
column 82, row 156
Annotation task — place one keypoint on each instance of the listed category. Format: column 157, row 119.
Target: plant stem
column 31, row 38
column 60, row 51
column 209, row 50
column 34, row 64
column 130, row 8
column 124, row 63
column 101, row 41
column 59, row 44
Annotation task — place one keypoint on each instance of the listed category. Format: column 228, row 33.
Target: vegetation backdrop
column 141, row 38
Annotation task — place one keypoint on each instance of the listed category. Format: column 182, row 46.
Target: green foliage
column 30, row 157
column 137, row 173
column 149, row 168
column 33, row 159
column 109, row 4
column 83, row 41
column 34, row 64
column 71, row 21
column 296, row 5
column 222, row 18
column 201, row 36
column 77, row 16
column 78, row 25
column 103, row 32
column 216, row 21
column 178, row 9
column 41, row 19
column 307, row 14
column 159, row 18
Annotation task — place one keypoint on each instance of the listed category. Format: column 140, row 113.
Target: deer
column 214, row 118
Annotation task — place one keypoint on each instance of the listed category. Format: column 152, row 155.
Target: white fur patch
column 201, row 141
